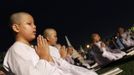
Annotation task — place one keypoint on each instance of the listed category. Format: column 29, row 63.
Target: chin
column 31, row 39
column 34, row 37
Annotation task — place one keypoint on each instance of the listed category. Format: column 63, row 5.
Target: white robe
column 67, row 67
column 111, row 56
column 126, row 39
column 22, row 59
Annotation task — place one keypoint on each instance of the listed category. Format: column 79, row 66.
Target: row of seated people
column 48, row 58
column 99, row 53
column 104, row 52
column 43, row 58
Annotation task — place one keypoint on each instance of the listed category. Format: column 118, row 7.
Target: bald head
column 19, row 20
column 121, row 30
column 48, row 32
column 51, row 35
column 95, row 37
column 16, row 17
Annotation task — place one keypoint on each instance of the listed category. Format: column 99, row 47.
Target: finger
column 43, row 41
column 36, row 50
column 40, row 42
column 64, row 47
column 59, row 46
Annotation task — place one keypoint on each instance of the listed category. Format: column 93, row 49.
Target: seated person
column 123, row 38
column 103, row 50
column 51, row 36
column 21, row 58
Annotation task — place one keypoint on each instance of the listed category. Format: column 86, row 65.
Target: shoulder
column 19, row 49
column 53, row 48
column 17, row 46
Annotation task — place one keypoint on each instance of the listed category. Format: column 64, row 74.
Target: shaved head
column 16, row 17
column 95, row 37
column 47, row 32
column 19, row 19
column 51, row 36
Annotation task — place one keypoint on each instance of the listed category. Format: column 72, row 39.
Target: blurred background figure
column 123, row 38
column 100, row 48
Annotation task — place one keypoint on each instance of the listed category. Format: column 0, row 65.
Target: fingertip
column 39, row 35
column 45, row 40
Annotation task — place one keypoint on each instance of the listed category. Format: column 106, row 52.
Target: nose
column 34, row 26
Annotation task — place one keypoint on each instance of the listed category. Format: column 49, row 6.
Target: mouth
column 34, row 32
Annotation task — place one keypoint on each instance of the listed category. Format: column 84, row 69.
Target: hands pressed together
column 63, row 52
column 42, row 49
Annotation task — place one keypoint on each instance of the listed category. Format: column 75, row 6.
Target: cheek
column 27, row 32
column 54, row 39
column 94, row 39
column 24, row 32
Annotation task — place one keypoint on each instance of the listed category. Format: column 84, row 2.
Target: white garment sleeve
column 74, row 70
column 20, row 64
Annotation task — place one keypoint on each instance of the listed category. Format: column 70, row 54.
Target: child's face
column 53, row 37
column 121, row 30
column 96, row 38
column 27, row 28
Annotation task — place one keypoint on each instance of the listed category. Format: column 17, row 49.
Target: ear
column 47, row 38
column 15, row 27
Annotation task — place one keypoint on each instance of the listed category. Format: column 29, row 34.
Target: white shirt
column 22, row 59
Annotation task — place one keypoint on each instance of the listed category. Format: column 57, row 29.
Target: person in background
column 105, row 51
column 123, row 38
column 51, row 35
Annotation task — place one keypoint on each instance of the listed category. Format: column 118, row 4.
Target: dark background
column 76, row 19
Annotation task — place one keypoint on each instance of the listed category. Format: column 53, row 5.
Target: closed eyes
column 29, row 23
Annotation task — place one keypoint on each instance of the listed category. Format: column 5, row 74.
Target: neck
column 50, row 44
column 20, row 39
